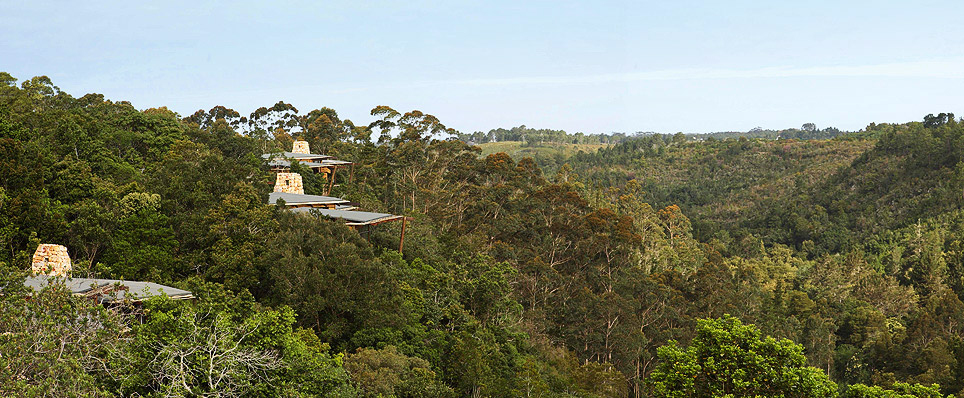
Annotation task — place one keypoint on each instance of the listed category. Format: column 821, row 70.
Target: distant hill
column 720, row 182
column 807, row 132
column 530, row 135
column 830, row 192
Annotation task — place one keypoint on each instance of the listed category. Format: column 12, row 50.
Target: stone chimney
column 289, row 183
column 51, row 260
column 300, row 147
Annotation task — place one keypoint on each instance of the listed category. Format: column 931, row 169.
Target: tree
column 412, row 155
column 206, row 357
column 728, row 358
column 143, row 242
column 53, row 344
column 387, row 373
column 936, row 121
column 281, row 116
column 207, row 119
column 411, row 126
column 329, row 274
column 225, row 346
column 901, row 390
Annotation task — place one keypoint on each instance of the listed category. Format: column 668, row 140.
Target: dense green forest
column 808, row 131
column 535, row 136
column 531, row 136
column 660, row 266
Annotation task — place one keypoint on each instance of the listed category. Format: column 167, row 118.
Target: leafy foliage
column 727, row 358
column 559, row 276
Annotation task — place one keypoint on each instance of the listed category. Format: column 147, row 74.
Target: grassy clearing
column 517, row 149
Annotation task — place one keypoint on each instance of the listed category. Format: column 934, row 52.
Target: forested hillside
column 721, row 184
column 531, row 135
column 657, row 267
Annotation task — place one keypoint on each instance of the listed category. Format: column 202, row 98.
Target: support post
column 331, row 184
column 401, row 242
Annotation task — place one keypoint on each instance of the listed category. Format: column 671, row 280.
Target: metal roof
column 352, row 216
column 102, row 288
column 299, row 199
column 334, row 162
column 282, row 162
column 293, row 155
column 278, row 162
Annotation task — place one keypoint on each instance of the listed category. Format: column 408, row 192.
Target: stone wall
column 300, row 147
column 51, row 260
column 289, row 183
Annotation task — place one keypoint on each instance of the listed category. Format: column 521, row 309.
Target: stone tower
column 289, row 183
column 300, row 147
column 51, row 260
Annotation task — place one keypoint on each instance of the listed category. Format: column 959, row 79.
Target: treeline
column 808, row 131
column 821, row 196
column 723, row 184
column 513, row 282
column 531, row 135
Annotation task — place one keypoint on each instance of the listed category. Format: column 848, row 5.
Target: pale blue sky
column 591, row 66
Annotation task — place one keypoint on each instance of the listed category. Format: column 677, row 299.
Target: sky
column 586, row 66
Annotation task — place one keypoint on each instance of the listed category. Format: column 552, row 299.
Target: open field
column 519, row 149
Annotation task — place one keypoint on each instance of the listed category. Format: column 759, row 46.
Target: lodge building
column 289, row 190
column 51, row 262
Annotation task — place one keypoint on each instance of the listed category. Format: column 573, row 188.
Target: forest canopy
column 807, row 266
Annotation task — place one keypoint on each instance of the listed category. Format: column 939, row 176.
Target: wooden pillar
column 401, row 242
column 331, row 184
column 351, row 173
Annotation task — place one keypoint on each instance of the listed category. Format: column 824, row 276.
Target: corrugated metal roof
column 335, row 162
column 281, row 162
column 299, row 199
column 136, row 291
column 350, row 216
column 285, row 163
column 293, row 155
